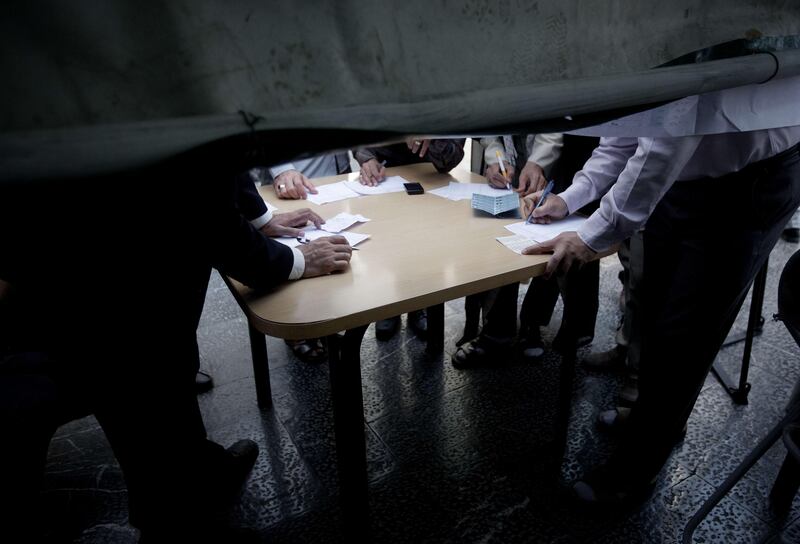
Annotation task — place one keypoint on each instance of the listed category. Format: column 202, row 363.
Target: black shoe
column 613, row 359
column 243, row 455
column 791, row 235
column 203, row 382
column 386, row 328
column 608, row 488
column 418, row 322
column 531, row 347
column 562, row 344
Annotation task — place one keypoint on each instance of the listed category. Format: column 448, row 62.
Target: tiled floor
column 454, row 456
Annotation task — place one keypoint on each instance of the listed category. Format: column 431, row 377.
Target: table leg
column 344, row 356
column 435, row 329
column 258, row 351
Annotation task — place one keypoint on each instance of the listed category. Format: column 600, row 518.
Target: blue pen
column 546, row 192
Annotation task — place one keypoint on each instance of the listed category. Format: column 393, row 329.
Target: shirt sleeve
column 646, row 177
column 363, row 154
column 546, row 150
column 491, row 146
column 279, row 169
column 446, row 153
column 259, row 222
column 299, row 265
column 599, row 172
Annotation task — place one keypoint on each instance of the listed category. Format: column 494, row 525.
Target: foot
column 561, row 343
column 203, row 382
column 418, row 322
column 616, row 420
column 311, row 350
column 613, row 359
column 606, row 487
column 386, row 328
column 481, row 352
column 531, row 346
column 791, row 235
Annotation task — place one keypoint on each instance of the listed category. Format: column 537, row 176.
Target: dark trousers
column 703, row 245
column 34, row 401
column 540, row 300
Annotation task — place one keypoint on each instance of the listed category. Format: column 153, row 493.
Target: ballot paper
column 541, row 232
column 390, row 184
column 458, row 191
column 331, row 193
column 343, row 221
column 495, row 203
column 311, row 233
column 516, row 242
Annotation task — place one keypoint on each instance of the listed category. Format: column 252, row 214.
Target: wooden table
column 423, row 250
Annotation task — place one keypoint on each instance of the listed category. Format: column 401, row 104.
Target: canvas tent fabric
column 93, row 87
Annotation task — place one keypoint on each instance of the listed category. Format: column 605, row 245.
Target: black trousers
column 703, row 245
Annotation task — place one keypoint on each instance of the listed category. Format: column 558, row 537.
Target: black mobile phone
column 414, row 188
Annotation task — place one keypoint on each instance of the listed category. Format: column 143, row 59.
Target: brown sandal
column 309, row 351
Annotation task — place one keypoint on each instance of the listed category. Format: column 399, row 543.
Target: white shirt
column 634, row 173
column 543, row 149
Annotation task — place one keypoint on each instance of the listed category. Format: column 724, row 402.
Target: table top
column 423, row 250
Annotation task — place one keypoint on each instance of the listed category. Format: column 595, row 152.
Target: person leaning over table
column 130, row 309
column 444, row 154
column 712, row 207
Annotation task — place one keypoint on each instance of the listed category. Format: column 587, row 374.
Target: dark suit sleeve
column 232, row 244
column 250, row 203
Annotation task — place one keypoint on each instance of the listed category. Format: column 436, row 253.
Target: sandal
column 479, row 352
column 309, row 351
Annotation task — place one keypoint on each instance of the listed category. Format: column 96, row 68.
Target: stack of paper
column 495, row 204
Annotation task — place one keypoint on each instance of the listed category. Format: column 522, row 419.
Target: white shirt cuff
column 573, row 198
column 299, row 265
column 598, row 234
column 259, row 222
column 276, row 171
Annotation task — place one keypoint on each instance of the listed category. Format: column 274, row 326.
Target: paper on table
column 515, row 242
column 390, row 184
column 542, row 233
column 464, row 191
column 353, row 238
column 331, row 193
column 343, row 221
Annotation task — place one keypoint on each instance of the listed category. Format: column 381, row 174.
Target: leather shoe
column 386, row 328
column 791, row 235
column 203, row 382
column 531, row 346
column 607, row 488
column 613, row 359
column 418, row 322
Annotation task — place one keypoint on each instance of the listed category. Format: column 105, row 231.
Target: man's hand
column 291, row 223
column 495, row 176
column 372, row 172
column 552, row 209
column 418, row 146
column 292, row 184
column 326, row 255
column 567, row 249
column 531, row 179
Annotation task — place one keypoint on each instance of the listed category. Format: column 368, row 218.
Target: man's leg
column 703, row 247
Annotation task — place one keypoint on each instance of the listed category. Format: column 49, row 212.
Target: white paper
column 311, row 233
column 343, row 221
column 464, row 191
column 516, row 243
column 390, row 184
column 331, row 193
column 541, row 232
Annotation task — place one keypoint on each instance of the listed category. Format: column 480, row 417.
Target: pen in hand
column 545, row 193
column 502, row 167
column 304, row 240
